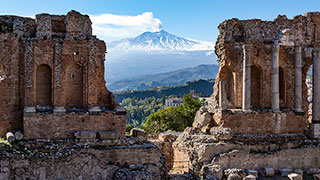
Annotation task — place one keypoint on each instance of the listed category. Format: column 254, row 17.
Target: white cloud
column 111, row 27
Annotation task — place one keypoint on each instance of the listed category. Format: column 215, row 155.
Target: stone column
column 315, row 127
column 58, row 97
column 222, row 95
column 246, row 78
column 298, row 80
column 275, row 77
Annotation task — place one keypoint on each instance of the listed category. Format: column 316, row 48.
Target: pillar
column 315, row 127
column 222, row 95
column 58, row 103
column 298, row 80
column 246, row 99
column 275, row 77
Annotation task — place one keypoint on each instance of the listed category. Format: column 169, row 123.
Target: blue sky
column 196, row 19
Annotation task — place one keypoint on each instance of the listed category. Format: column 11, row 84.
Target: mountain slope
column 154, row 53
column 178, row 77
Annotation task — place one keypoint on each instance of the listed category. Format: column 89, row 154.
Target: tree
column 174, row 118
column 138, row 110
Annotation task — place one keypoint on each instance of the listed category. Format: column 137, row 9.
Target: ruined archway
column 43, row 85
column 255, row 91
column 228, row 77
column 74, row 86
column 282, row 86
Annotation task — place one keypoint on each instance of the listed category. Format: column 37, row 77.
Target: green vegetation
column 138, row 110
column 141, row 104
column 173, row 118
column 3, row 141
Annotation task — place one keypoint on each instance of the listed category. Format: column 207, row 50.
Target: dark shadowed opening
column 255, row 87
column 43, row 85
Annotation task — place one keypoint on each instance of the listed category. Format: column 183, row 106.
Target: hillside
column 178, row 77
column 201, row 87
column 152, row 53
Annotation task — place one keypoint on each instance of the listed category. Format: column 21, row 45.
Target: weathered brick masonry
column 52, row 77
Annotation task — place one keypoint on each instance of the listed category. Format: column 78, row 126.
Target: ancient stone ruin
column 258, row 123
column 52, row 87
column 52, row 78
column 260, row 87
column 52, row 90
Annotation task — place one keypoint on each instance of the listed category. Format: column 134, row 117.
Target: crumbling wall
column 51, row 126
column 56, row 42
column 12, row 29
column 250, row 151
column 261, row 122
column 67, row 159
column 260, row 36
column 255, row 39
column 10, row 100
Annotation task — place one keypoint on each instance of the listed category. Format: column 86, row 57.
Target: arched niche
column 74, row 86
column 227, row 75
column 43, row 85
column 255, row 91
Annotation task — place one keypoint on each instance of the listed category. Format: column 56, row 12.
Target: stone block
column 221, row 133
column 294, row 176
column 298, row 171
column 190, row 131
column 10, row 137
column 285, row 172
column 313, row 171
column 139, row 133
column 85, row 134
column 234, row 176
column 112, row 134
column 315, row 130
column 59, row 111
column 252, row 172
column 94, row 110
column 268, row 172
column 18, row 135
column 237, row 171
column 250, row 177
column 316, row 176
column 211, row 171
column 202, row 119
column 29, row 111
column 168, row 137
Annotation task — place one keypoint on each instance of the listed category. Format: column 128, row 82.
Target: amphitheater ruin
column 52, row 89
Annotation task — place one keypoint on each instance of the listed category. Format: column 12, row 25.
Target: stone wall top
column 19, row 25
column 71, row 25
column 235, row 30
column 47, row 26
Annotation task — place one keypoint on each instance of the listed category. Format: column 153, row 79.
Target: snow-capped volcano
column 159, row 41
column 155, row 52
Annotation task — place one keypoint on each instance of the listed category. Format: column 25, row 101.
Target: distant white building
column 173, row 102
